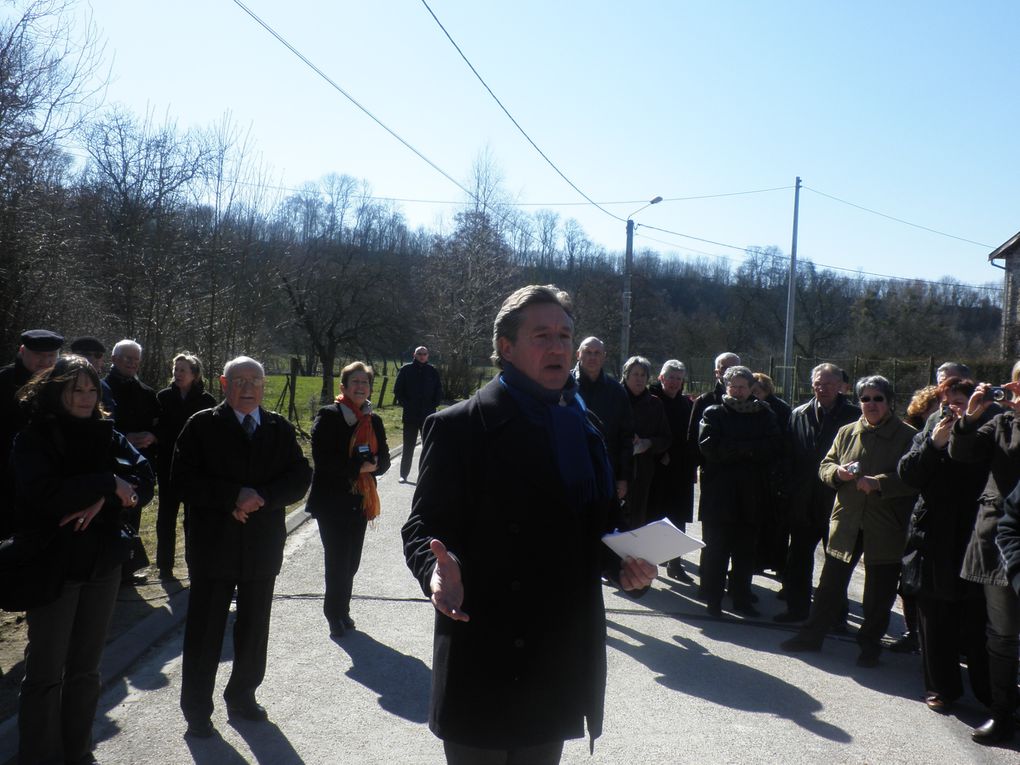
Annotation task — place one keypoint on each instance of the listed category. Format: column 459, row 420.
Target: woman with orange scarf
column 349, row 451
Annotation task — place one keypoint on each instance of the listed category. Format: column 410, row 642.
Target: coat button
column 519, row 643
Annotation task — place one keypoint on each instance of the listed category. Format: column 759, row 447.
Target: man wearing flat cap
column 92, row 349
column 38, row 351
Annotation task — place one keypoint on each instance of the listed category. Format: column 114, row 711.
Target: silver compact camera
column 854, row 469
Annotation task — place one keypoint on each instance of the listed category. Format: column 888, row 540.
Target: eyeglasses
column 250, row 382
column 868, row 399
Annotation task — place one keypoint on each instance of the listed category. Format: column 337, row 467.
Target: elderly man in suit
column 237, row 466
column 513, row 480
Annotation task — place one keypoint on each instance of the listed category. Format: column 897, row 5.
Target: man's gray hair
column 508, row 320
column 738, row 371
column 953, row 369
column 122, row 344
column 827, row 368
column 242, row 361
column 727, row 356
column 590, row 340
column 879, row 383
column 637, row 361
column 673, row 364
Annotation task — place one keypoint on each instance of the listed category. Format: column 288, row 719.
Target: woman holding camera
column 951, row 610
column 74, row 475
column 349, row 451
column 996, row 446
column 869, row 518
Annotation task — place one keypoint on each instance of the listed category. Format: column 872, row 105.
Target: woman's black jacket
column 336, row 471
column 64, row 464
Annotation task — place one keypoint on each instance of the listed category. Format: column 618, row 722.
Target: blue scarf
column 580, row 451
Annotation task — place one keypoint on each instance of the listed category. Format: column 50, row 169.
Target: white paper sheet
column 656, row 542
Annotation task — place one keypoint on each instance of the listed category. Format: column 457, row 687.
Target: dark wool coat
column 701, row 403
column 810, row 434
column 335, row 470
column 1008, row 538
column 995, row 445
column 943, row 518
column 418, row 390
column 64, row 464
column 174, row 411
column 737, row 449
column 649, row 422
column 608, row 401
column 213, row 461
column 12, row 420
column 137, row 409
column 672, row 492
column 530, row 665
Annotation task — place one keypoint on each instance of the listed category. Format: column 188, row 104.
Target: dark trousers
column 1003, row 647
column 208, row 607
column 343, row 536
column 412, row 429
column 166, row 525
column 543, row 754
column 57, row 703
column 800, row 565
column 726, row 542
column 948, row 629
column 880, row 581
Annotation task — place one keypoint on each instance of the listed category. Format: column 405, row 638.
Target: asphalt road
column 683, row 688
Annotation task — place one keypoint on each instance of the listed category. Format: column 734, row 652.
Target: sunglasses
column 876, row 399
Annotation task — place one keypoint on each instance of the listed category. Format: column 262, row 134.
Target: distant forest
column 178, row 239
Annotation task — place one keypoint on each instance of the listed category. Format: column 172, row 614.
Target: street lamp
column 628, row 266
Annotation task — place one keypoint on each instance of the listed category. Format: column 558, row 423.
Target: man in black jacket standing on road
column 419, row 392
column 237, row 466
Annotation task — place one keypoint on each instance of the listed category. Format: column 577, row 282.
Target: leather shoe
column 200, row 728
column 937, row 703
column 337, row 629
column 248, row 710
column 676, row 571
column 746, row 609
column 714, row 609
column 869, row 657
column 906, row 643
column 788, row 618
column 800, row 644
column 348, row 622
column 994, row 731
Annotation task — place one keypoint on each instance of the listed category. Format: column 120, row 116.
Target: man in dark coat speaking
column 419, row 392
column 237, row 466
column 515, row 483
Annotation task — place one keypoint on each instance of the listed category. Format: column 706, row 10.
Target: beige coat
column 882, row 515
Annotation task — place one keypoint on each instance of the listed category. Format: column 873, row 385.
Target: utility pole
column 791, row 299
column 628, row 265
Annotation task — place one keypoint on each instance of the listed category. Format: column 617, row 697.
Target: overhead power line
column 349, row 97
column 859, row 272
column 898, row 220
column 511, row 118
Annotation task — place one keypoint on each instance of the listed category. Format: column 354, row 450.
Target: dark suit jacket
column 530, row 665
column 212, row 462
column 417, row 390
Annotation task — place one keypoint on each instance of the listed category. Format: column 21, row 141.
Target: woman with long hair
column 74, row 477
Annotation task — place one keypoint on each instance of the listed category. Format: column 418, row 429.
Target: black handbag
column 31, row 570
column 131, row 551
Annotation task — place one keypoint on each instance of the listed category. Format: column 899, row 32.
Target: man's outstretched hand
column 447, row 585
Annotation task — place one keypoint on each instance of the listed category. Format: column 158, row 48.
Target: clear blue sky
column 909, row 108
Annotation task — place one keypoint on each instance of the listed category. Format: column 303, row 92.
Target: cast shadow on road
column 898, row 675
column 401, row 681
column 687, row 667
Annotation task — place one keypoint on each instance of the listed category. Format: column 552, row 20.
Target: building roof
column 1007, row 249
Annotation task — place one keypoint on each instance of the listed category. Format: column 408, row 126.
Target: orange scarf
column 363, row 433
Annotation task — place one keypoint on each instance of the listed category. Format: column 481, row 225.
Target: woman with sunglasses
column 996, row 445
column 869, row 518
